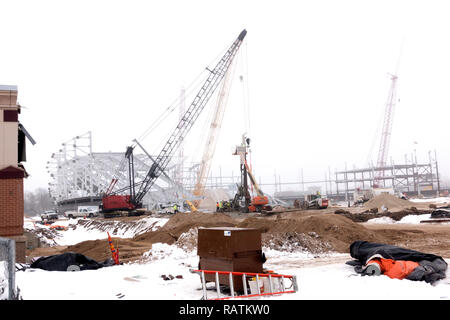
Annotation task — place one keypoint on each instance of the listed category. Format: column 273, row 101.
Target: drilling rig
column 243, row 200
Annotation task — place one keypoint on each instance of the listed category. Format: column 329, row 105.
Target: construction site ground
column 314, row 231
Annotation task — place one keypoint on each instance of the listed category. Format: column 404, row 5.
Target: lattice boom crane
column 387, row 129
column 130, row 202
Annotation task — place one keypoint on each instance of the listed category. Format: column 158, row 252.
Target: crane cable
column 246, row 101
column 195, row 84
column 172, row 107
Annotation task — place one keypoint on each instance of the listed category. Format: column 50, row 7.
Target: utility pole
column 437, row 172
column 417, row 172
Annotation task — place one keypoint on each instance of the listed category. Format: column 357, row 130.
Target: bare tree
column 37, row 202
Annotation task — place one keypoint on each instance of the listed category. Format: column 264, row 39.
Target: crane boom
column 214, row 129
column 387, row 129
column 186, row 122
column 253, row 181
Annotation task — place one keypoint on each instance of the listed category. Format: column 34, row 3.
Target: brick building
column 12, row 172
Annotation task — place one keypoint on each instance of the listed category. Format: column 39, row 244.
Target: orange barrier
column 114, row 252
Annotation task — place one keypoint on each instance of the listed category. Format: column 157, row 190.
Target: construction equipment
column 386, row 131
column 114, row 201
column 213, row 135
column 242, row 200
column 316, row 201
column 230, row 249
column 133, row 200
column 260, row 284
column 233, row 257
column 312, row 201
column 260, row 202
column 361, row 196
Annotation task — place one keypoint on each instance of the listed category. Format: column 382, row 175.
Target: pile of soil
column 296, row 241
column 392, row 203
column 183, row 222
column 99, row 250
column 96, row 249
column 329, row 231
column 313, row 231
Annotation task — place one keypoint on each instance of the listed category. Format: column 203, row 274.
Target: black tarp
column 431, row 267
column 61, row 262
column 441, row 213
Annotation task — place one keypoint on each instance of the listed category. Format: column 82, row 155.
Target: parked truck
column 49, row 215
column 82, row 212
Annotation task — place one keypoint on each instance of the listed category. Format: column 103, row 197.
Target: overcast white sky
column 317, row 75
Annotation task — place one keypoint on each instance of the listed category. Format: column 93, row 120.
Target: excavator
column 242, row 200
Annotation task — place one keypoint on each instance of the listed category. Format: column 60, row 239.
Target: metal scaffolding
column 77, row 173
column 409, row 178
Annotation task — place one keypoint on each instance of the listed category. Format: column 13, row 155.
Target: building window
column 10, row 116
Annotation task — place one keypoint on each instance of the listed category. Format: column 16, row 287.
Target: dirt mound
column 316, row 233
column 182, row 222
column 92, row 248
column 388, row 201
column 334, row 231
column 99, row 250
column 296, row 241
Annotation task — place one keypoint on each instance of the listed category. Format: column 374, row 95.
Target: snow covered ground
column 144, row 281
column 332, row 280
column 438, row 200
column 410, row 219
column 79, row 234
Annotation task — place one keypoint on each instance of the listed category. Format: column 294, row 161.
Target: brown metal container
column 229, row 249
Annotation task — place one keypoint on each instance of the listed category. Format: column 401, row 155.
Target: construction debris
column 69, row 261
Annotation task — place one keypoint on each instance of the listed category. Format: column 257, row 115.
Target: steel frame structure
column 401, row 177
column 75, row 172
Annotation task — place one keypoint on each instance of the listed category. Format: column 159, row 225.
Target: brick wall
column 11, row 176
column 11, row 207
